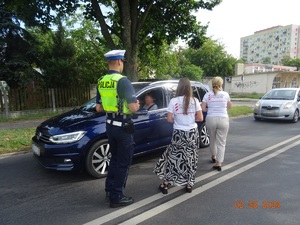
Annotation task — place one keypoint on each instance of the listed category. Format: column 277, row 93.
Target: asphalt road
column 259, row 184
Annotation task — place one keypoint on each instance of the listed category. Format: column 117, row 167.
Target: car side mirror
column 141, row 112
column 298, row 99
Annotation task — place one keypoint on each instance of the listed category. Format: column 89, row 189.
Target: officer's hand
column 133, row 107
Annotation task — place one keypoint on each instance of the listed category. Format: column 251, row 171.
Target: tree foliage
column 57, row 58
column 127, row 24
column 16, row 52
column 90, row 49
column 139, row 23
column 43, row 14
column 212, row 58
column 192, row 72
column 266, row 60
column 288, row 61
column 160, row 63
column 145, row 28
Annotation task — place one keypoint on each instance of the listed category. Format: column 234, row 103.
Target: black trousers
column 121, row 148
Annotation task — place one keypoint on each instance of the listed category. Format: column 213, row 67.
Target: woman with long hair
column 177, row 165
column 216, row 103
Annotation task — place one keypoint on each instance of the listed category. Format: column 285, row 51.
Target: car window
column 202, row 92
column 280, row 95
column 158, row 98
column 198, row 92
column 139, row 85
column 89, row 106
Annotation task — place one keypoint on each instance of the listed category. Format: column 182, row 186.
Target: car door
column 152, row 129
column 199, row 92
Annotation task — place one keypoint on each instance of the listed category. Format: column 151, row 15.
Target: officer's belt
column 115, row 123
column 117, row 116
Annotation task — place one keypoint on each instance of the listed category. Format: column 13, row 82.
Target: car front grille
column 42, row 137
column 270, row 108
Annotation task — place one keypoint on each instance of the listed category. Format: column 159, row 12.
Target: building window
column 276, row 82
column 294, row 83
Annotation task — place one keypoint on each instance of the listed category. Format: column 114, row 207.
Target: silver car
column 279, row 104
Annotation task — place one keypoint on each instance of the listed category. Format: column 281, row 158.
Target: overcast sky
column 233, row 19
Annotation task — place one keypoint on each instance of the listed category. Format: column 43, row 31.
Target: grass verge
column 252, row 95
column 15, row 140
column 239, row 111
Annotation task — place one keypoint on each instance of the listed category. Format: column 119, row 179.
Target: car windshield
column 280, row 94
column 139, row 85
column 91, row 104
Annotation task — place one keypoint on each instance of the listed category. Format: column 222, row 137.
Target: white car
column 279, row 104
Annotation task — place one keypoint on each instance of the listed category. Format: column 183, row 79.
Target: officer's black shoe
column 122, row 202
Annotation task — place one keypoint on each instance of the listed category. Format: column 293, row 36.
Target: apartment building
column 271, row 45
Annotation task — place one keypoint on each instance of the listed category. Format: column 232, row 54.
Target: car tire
column 204, row 137
column 98, row 158
column 295, row 117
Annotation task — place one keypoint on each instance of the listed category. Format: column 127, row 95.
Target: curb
column 6, row 155
column 244, row 100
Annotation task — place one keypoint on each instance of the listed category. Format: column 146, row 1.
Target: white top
column 182, row 121
column 216, row 104
column 151, row 107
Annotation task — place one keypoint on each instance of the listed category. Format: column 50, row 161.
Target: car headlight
column 257, row 105
column 68, row 137
column 288, row 105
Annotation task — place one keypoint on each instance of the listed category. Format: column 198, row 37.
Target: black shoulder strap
column 150, row 107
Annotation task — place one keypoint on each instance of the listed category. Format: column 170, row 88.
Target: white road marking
column 159, row 209
column 167, row 205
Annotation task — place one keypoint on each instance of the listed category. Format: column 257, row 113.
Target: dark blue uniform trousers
column 121, row 148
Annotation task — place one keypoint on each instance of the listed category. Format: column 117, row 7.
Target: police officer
column 116, row 96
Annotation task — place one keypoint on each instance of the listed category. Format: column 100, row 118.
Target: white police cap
column 115, row 54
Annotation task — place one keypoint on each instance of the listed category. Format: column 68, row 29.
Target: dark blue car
column 76, row 140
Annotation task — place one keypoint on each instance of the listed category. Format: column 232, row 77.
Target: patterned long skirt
column 178, row 163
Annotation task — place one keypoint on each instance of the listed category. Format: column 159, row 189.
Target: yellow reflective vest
column 107, row 87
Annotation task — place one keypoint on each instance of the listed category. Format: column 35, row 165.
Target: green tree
column 192, row 72
column 89, row 48
column 287, row 61
column 212, row 58
column 58, row 59
column 160, row 63
column 41, row 14
column 266, row 60
column 140, row 23
column 16, row 50
column 127, row 24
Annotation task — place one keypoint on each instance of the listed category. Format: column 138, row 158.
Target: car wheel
column 295, row 117
column 98, row 158
column 204, row 137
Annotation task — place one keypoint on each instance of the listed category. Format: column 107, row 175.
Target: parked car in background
column 279, row 104
column 77, row 139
